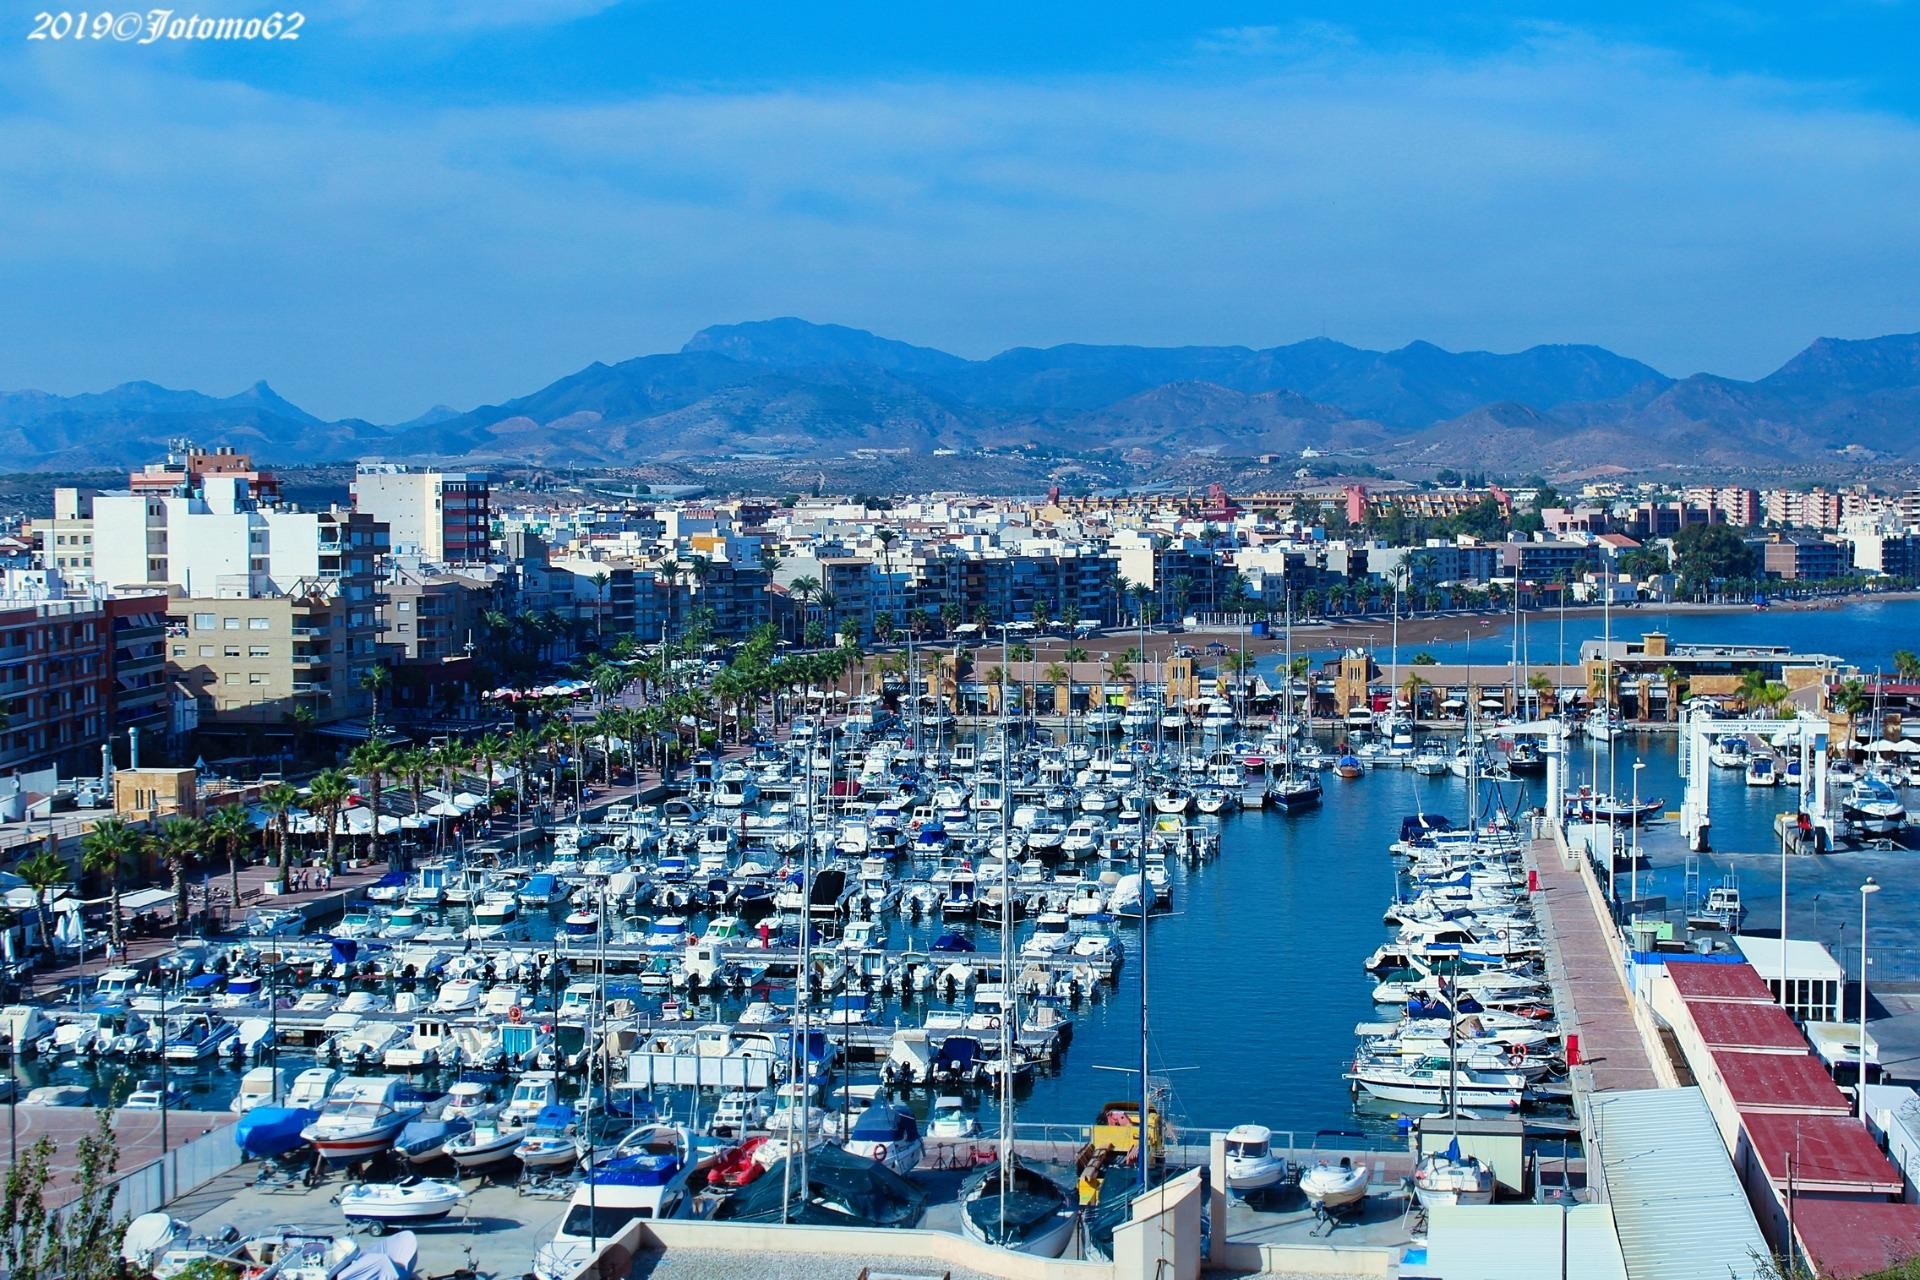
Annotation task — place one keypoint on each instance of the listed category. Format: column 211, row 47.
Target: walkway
column 1589, row 992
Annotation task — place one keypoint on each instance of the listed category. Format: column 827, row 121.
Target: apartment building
column 65, row 541
column 444, row 517
column 76, row 672
column 430, row 616
column 252, row 661
column 1800, row 557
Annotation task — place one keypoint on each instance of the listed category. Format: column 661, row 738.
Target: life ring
column 1517, row 1057
column 880, row 1153
column 993, row 1024
column 514, row 1014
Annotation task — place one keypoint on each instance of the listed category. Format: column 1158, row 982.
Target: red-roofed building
column 1829, row 1158
column 1847, row 1239
column 1746, row 1028
column 1698, row 981
column 1772, row 1082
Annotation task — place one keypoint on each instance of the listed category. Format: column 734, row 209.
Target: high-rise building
column 444, row 517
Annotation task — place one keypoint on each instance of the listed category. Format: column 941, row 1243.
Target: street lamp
column 1867, row 890
column 1633, row 872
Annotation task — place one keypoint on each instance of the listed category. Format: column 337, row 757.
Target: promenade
column 1590, row 993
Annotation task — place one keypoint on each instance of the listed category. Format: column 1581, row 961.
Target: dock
column 1589, row 988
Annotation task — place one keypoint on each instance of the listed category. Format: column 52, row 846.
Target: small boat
column 152, row 1095
column 361, row 1118
column 380, row 1205
column 425, row 1140
column 551, row 1143
column 1526, row 760
column 1872, row 807
column 483, row 1146
column 1348, row 767
column 1447, row 1177
column 1329, row 1187
column 1252, row 1163
column 260, row 1087
column 950, row 1119
column 739, row 1165
column 1014, row 1206
column 889, row 1134
column 265, row 1132
column 1761, row 771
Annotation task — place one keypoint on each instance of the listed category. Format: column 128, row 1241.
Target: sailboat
column 1294, row 791
column 1447, row 1177
column 1010, row 1204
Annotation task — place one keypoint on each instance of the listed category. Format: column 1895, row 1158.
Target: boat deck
column 1590, row 996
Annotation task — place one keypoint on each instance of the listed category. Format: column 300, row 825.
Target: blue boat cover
column 265, row 1132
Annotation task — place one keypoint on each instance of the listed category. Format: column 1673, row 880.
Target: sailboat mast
column 1006, row 944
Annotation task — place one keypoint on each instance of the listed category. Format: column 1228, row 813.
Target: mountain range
column 792, row 389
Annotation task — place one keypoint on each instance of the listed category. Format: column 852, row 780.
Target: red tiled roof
column 1752, row 1028
column 1847, row 1239
column 1699, row 980
column 1778, row 1082
column 1829, row 1153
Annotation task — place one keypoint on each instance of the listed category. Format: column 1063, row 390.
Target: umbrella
column 1881, row 746
column 1906, row 746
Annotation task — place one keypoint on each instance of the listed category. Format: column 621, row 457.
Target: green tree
column 1425, row 659
column 374, row 680
column 82, row 1241
column 104, row 851
column 327, row 795
column 232, row 828
column 1906, row 664
column 1706, row 553
column 280, row 801
column 373, row 761
column 43, row 872
column 177, row 842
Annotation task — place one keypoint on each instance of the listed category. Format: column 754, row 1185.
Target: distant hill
column 788, row 388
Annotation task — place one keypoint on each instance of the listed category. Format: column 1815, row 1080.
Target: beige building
column 254, row 660
column 66, row 540
column 431, row 617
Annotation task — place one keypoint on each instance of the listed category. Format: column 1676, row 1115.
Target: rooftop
column 1700, row 981
column 1775, row 1082
column 1805, row 960
column 1852, row 1238
column 1827, row 1153
column 1753, row 1028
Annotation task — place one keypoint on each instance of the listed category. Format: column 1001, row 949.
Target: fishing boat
column 1013, row 1206
column 1252, row 1163
column 407, row 1203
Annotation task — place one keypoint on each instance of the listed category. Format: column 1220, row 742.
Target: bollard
column 1533, row 881
column 1573, row 1050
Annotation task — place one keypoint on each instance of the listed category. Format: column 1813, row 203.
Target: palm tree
column 327, row 795
column 42, row 872
column 373, row 680
column 668, row 572
column 177, row 841
column 1060, row 676
column 372, row 760
column 600, row 580
column 1852, row 700
column 1412, row 686
column 104, row 851
column 1906, row 664
column 1542, row 685
column 232, row 827
column 280, row 800
column 413, row 766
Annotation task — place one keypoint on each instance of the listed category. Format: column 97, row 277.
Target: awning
column 145, row 899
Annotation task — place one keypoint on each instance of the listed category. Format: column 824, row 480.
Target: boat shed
column 1659, row 1157
column 1811, row 985
column 1520, row 1242
column 1698, row 981
column 1746, row 1028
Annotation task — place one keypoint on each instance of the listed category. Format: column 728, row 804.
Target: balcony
column 309, row 660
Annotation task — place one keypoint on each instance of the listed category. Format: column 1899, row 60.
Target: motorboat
column 532, row 1094
column 487, row 1144
column 361, row 1118
column 1429, row 761
column 1252, row 1163
column 425, row 1140
column 889, row 1134
column 1873, row 808
column 739, row 1111
column 1331, row 1186
column 470, row 1100
column 1447, row 1177
column 1526, row 759
column 648, row 1184
column 1761, row 771
column 407, row 1203
column 951, row 1119
column 1015, row 1206
column 160, row 1246
column 311, row 1087
column 153, row 1095
column 551, row 1143
column 459, row 995
column 265, row 1132
column 195, row 1037
column 260, row 1087
column 1729, row 751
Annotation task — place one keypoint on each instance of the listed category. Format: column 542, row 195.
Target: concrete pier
column 1583, row 964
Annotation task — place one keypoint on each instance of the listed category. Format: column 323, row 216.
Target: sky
column 437, row 201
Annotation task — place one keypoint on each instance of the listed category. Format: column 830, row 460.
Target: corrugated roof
column 1847, row 1239
column 1830, row 1153
column 1779, row 1082
column 1510, row 1242
column 1696, row 980
column 1754, row 1028
column 1662, row 1161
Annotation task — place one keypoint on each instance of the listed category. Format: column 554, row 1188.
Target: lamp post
column 1633, row 866
column 1867, row 890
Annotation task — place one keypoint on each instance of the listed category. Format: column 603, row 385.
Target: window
column 206, row 651
column 259, row 651
column 179, row 651
column 232, row 677
column 203, row 622
column 406, row 606
column 232, row 651
column 257, row 624
column 256, row 677
column 230, row 624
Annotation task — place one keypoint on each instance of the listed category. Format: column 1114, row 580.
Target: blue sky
column 430, row 201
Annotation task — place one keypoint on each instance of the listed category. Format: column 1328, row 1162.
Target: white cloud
column 374, row 260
